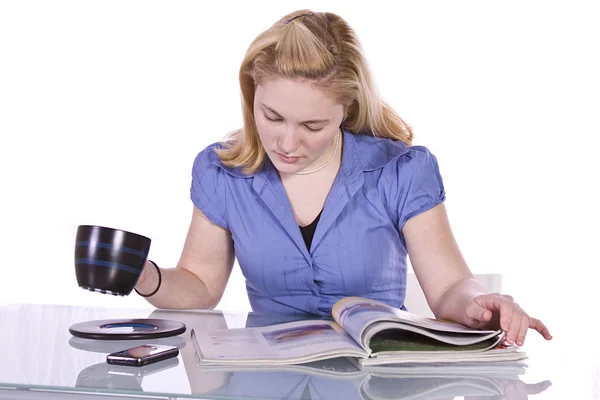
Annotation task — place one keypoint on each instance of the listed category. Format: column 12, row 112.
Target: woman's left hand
column 495, row 310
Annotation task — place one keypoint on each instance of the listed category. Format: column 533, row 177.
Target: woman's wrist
column 150, row 280
column 454, row 302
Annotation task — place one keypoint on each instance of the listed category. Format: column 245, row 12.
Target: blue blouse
column 358, row 248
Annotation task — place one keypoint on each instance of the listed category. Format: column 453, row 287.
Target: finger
column 537, row 388
column 523, row 328
column 506, row 317
column 521, row 389
column 511, row 392
column 515, row 322
column 478, row 313
column 539, row 326
column 498, row 303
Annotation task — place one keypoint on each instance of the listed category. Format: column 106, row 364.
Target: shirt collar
column 361, row 152
column 372, row 153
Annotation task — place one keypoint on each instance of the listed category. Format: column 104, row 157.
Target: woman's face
column 297, row 124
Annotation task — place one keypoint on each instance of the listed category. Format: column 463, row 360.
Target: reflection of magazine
column 343, row 378
column 348, row 367
column 338, row 368
column 498, row 369
column 370, row 331
column 439, row 380
column 413, row 388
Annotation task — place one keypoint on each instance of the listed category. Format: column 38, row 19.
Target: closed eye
column 313, row 129
column 273, row 119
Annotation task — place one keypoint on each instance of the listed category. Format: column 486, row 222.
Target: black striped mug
column 109, row 260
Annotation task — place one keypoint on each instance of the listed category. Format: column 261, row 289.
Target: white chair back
column 415, row 299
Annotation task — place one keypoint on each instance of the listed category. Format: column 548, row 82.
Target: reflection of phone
column 141, row 372
column 142, row 355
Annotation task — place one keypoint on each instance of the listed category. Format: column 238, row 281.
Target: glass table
column 39, row 358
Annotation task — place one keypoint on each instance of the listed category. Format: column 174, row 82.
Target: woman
column 320, row 195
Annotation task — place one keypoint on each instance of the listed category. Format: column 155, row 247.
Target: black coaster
column 127, row 329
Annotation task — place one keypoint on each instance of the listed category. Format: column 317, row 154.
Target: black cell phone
column 142, row 355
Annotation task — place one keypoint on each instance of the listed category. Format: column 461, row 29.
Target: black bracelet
column 157, row 287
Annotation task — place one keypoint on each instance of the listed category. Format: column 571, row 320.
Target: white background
column 104, row 105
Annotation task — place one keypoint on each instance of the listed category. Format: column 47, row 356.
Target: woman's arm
column 200, row 277
column 449, row 287
column 439, row 265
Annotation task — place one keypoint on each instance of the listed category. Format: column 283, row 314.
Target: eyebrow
column 312, row 121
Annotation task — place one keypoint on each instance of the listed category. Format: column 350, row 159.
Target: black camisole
column 308, row 231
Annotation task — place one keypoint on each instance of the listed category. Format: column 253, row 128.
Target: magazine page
column 356, row 314
column 456, row 339
column 392, row 342
column 482, row 357
column 405, row 347
column 289, row 343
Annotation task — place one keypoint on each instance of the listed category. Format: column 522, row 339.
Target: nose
column 288, row 141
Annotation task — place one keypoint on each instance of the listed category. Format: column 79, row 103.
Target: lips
column 287, row 159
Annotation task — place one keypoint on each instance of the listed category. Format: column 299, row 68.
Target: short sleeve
column 420, row 185
column 208, row 188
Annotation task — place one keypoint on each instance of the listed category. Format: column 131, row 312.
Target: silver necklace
column 337, row 145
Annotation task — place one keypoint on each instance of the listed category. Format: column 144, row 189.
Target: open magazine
column 368, row 330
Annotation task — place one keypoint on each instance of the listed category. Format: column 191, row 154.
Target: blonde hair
column 320, row 48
